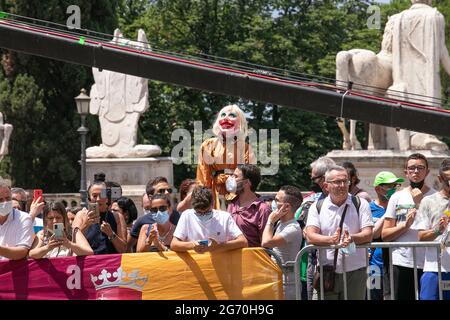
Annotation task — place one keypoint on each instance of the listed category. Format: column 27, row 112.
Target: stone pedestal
column 370, row 162
column 131, row 173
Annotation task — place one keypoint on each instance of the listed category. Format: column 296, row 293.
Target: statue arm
column 386, row 45
column 444, row 57
column 136, row 94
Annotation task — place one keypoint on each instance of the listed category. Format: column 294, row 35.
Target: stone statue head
column 428, row 2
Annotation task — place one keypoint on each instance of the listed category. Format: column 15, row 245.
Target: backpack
column 356, row 202
column 302, row 213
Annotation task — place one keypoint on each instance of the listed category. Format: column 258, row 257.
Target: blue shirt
column 98, row 240
column 377, row 257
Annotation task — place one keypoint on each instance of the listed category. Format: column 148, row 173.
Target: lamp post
column 82, row 102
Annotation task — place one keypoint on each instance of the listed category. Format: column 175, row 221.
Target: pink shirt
column 251, row 220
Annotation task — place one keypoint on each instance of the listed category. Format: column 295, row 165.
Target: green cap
column 386, row 177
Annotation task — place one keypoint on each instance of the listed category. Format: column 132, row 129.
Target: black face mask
column 315, row 187
column 417, row 185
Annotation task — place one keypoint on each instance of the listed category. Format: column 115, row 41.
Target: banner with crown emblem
column 239, row 274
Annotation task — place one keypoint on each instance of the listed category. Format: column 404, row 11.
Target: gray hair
column 4, row 184
column 19, row 191
column 334, row 168
column 322, row 165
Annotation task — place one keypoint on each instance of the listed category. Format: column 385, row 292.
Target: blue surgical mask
column 274, row 205
column 205, row 217
column 161, row 217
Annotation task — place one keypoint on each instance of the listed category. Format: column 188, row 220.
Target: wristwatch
column 112, row 237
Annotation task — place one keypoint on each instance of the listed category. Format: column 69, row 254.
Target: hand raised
column 417, row 196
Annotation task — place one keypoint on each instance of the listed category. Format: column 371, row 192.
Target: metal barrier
column 389, row 245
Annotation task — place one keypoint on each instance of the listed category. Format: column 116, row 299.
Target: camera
column 111, row 193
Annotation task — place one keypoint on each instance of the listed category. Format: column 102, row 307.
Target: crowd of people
column 337, row 212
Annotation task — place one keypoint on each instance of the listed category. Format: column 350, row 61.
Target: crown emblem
column 119, row 278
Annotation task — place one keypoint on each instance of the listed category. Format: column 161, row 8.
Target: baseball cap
column 386, row 177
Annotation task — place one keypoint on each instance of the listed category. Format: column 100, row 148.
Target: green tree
column 37, row 98
column 302, row 36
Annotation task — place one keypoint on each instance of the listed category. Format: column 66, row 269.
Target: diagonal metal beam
column 225, row 82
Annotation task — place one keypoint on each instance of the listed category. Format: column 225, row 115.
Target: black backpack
column 356, row 202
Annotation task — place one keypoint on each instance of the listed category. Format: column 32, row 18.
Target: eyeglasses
column 340, row 182
column 313, row 179
column 161, row 191
column 156, row 209
column 414, row 168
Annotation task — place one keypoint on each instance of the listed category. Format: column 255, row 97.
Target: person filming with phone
column 105, row 230
column 58, row 239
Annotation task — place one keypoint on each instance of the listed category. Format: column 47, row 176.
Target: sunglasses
column 156, row 209
column 161, row 191
column 315, row 178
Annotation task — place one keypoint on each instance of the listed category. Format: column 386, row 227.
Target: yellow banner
column 248, row 274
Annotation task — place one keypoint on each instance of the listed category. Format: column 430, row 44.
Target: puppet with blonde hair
column 219, row 156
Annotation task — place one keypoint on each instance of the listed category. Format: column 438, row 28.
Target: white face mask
column 231, row 184
column 274, row 205
column 5, row 208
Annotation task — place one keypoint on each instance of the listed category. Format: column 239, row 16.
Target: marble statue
column 372, row 73
column 5, row 134
column 418, row 39
column 119, row 100
column 414, row 37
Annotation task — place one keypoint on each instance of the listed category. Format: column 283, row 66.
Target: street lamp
column 82, row 102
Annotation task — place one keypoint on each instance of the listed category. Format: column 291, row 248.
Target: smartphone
column 93, row 206
column 203, row 242
column 58, row 230
column 37, row 193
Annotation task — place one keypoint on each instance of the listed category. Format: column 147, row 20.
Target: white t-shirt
column 397, row 209
column 430, row 211
column 328, row 221
column 221, row 227
column 17, row 231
